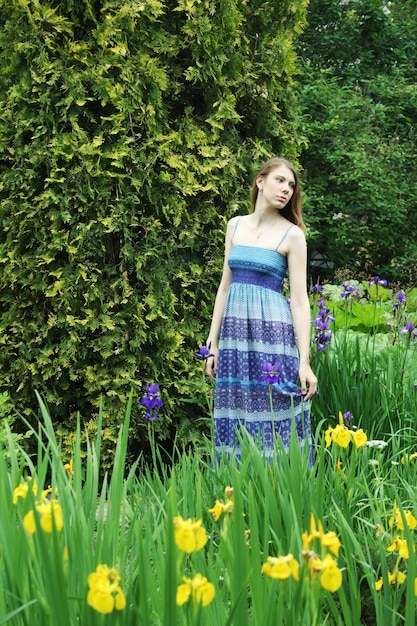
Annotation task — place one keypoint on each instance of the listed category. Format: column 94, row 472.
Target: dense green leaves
column 128, row 134
column 359, row 100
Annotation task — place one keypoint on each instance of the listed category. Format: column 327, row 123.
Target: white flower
column 376, row 443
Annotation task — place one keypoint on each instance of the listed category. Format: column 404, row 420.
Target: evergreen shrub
column 129, row 132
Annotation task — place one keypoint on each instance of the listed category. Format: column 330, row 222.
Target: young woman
column 261, row 343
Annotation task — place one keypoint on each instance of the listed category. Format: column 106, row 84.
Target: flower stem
column 272, row 416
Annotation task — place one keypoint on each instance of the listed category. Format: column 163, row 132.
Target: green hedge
column 129, row 132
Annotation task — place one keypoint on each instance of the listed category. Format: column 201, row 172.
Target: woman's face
column 277, row 186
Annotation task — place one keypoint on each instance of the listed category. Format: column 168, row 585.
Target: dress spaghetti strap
column 283, row 236
column 236, row 225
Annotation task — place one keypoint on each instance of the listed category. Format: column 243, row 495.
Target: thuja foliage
column 128, row 135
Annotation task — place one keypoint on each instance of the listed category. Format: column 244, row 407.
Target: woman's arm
column 300, row 307
column 219, row 304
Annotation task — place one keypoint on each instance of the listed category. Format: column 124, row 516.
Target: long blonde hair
column 292, row 211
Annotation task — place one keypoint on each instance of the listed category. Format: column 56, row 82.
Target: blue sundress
column 257, row 327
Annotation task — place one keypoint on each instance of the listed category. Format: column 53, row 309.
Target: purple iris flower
column 270, row 373
column 348, row 416
column 316, row 289
column 376, row 280
column 204, row 352
column 322, row 332
column 409, row 329
column 322, row 340
column 399, row 299
column 349, row 290
column 152, row 402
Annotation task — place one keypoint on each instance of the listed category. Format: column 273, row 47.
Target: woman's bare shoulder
column 296, row 234
column 232, row 223
column 233, row 220
column 295, row 242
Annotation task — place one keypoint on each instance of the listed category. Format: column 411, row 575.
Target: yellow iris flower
column 331, row 541
column 217, row 510
column 393, row 578
column 68, row 467
column 189, row 535
column 327, row 540
column 223, row 507
column 22, row 489
column 198, row 589
column 281, row 567
column 342, row 435
column 104, row 593
column 359, row 438
column 331, row 577
column 408, row 458
column 397, row 519
column 401, row 546
column 20, row 492
column 326, row 568
column 50, row 513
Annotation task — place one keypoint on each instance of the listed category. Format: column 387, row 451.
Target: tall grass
column 126, row 522
column 360, row 374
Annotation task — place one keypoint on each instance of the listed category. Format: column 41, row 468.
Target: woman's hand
column 308, row 381
column 210, row 367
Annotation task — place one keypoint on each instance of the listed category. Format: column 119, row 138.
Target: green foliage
column 359, row 39
column 128, row 134
column 360, row 109
column 7, row 421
